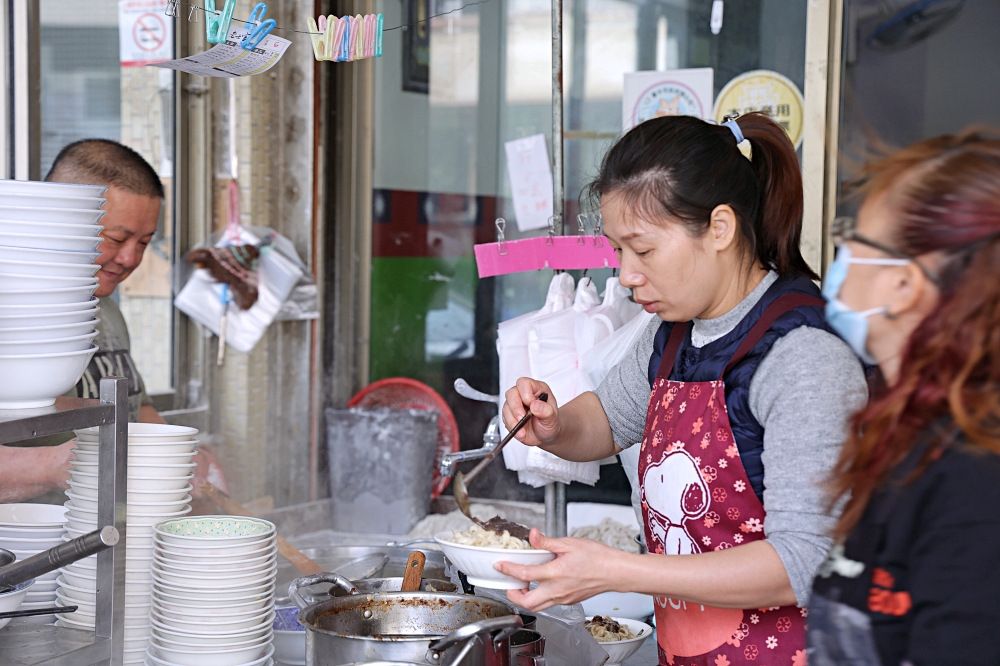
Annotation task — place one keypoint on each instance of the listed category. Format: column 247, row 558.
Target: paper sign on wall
column 675, row 92
column 145, row 34
column 768, row 92
column 530, row 181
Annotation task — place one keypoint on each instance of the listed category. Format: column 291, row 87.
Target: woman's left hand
column 582, row 568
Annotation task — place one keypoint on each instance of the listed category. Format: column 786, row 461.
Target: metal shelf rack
column 33, row 644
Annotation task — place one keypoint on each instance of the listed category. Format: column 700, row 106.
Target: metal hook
column 552, row 229
column 598, row 229
column 581, row 228
column 193, row 12
column 501, row 239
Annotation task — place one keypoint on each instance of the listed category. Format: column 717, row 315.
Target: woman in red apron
column 743, row 376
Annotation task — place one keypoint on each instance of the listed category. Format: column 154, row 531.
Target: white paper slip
column 530, row 181
column 229, row 60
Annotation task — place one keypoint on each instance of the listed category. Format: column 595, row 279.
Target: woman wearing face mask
column 916, row 288
column 739, row 394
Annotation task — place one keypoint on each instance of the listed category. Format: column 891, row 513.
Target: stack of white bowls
column 49, row 235
column 159, row 474
column 28, row 529
column 213, row 592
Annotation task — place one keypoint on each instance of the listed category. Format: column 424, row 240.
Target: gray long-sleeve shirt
column 803, row 392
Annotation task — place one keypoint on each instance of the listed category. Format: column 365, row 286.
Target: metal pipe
column 555, row 509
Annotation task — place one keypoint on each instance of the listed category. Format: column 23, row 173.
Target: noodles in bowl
column 620, row 637
column 476, row 561
column 607, row 630
column 477, row 536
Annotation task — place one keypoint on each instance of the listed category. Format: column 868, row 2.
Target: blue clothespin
column 217, row 23
column 263, row 28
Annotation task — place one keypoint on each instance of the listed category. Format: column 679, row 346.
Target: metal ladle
column 459, row 483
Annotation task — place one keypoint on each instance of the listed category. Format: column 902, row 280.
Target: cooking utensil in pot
column 299, row 591
column 232, row 507
column 460, row 482
column 38, row 611
column 418, row 627
column 414, row 572
column 57, row 557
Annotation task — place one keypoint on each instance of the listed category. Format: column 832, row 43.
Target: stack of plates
column 27, row 529
column 213, row 592
column 48, row 243
column 159, row 475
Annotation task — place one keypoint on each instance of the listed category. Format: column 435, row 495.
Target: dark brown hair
column 684, row 167
column 105, row 162
column 944, row 194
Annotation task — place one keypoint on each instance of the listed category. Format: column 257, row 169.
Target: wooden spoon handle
column 414, row 572
column 287, row 550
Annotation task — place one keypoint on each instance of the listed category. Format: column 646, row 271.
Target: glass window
column 94, row 85
column 439, row 168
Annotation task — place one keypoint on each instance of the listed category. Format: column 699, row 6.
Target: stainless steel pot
column 527, row 648
column 310, row 588
column 419, row 627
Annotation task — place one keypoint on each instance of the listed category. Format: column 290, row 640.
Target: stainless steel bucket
column 419, row 627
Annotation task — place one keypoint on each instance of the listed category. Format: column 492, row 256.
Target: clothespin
column 598, row 229
column 378, row 35
column 359, row 47
column 262, row 27
column 193, row 12
column 322, row 31
column 217, row 23
column 339, row 34
column 171, row 9
column 501, row 238
column 581, row 229
column 226, row 299
column 552, row 229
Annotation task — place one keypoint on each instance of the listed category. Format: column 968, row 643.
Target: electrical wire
column 308, row 32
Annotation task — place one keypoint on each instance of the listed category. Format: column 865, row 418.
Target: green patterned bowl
column 231, row 530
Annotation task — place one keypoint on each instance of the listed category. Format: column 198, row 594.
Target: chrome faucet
column 491, row 438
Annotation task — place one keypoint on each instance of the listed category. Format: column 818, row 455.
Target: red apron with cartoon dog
column 696, row 498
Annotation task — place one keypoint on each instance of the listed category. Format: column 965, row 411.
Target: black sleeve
column 954, row 576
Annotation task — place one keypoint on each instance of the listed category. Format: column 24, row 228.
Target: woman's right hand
column 543, row 428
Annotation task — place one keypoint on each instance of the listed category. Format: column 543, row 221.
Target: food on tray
column 477, row 536
column 610, row 532
column 606, row 630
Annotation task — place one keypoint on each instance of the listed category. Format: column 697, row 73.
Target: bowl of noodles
column 474, row 552
column 620, row 637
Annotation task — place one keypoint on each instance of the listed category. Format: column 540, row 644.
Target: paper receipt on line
column 229, row 59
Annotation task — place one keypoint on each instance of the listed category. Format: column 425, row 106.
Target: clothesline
column 309, row 32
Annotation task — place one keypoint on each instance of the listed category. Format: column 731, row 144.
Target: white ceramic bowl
column 44, row 587
column 16, row 253
column 46, row 200
column 48, row 268
column 89, row 456
column 29, row 320
column 619, row 604
column 89, row 491
column 31, row 533
column 139, row 469
column 165, row 633
column 219, row 530
column 71, row 309
column 90, row 503
column 32, row 516
column 176, row 599
column 48, row 345
column 149, row 448
column 43, row 230
column 211, row 597
column 149, row 432
column 236, row 581
column 134, row 627
column 63, row 242
column 214, row 562
column 622, row 650
column 214, row 549
column 52, row 215
column 13, row 279
column 135, row 483
column 42, row 332
column 213, row 625
column 41, row 377
column 86, row 517
column 477, row 562
column 157, row 655
column 44, row 188
column 37, row 545
column 11, row 600
column 48, row 297
column 290, row 647
column 171, row 606
column 261, row 566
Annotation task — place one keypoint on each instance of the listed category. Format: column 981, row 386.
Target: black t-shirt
column 918, row 580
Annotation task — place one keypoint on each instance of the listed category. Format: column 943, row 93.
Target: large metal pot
column 419, row 627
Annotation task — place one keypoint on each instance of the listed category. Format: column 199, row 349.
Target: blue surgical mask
column 849, row 324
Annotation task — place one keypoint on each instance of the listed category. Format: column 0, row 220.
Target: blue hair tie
column 735, row 129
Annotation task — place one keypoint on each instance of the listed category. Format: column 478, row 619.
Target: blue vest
column 706, row 364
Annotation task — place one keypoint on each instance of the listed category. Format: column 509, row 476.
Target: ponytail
column 778, row 227
column 683, row 167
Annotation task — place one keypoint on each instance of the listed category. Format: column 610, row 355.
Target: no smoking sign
column 145, row 33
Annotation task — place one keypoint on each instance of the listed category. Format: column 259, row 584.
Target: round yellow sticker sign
column 769, row 92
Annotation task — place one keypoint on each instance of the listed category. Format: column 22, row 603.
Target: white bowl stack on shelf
column 28, row 529
column 49, row 235
column 158, row 488
column 213, row 592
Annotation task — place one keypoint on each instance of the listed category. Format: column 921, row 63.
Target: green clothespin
column 217, row 23
column 378, row 36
